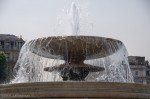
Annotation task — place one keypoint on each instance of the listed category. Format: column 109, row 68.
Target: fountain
column 68, row 49
column 73, row 67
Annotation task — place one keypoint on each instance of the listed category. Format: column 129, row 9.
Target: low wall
column 82, row 90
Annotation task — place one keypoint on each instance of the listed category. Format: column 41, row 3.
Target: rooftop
column 9, row 37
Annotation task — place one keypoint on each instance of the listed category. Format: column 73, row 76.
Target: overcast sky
column 125, row 20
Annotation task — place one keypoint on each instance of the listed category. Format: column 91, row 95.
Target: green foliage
column 3, row 67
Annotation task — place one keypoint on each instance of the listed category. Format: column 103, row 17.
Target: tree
column 3, row 67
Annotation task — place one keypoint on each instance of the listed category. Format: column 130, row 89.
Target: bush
column 3, row 67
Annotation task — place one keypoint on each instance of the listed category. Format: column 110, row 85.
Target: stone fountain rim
column 74, row 89
column 65, row 36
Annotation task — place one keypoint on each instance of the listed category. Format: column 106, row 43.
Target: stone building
column 148, row 72
column 140, row 69
column 11, row 45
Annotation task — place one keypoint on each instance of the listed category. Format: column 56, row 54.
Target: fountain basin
column 70, row 90
column 74, row 50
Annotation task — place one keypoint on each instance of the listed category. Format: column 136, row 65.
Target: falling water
column 116, row 68
column 30, row 66
column 31, row 63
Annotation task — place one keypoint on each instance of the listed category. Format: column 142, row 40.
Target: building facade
column 11, row 45
column 148, row 72
column 140, row 69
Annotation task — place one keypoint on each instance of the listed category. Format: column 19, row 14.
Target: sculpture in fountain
column 74, row 50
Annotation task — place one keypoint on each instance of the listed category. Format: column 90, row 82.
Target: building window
column 15, row 44
column 12, row 45
column 2, row 44
column 136, row 73
column 7, row 45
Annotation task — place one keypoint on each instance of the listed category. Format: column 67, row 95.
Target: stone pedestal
column 81, row 90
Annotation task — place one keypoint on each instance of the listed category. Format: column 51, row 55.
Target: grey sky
column 126, row 20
